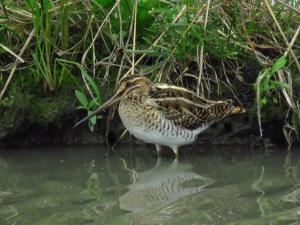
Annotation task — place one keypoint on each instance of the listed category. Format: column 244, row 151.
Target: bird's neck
column 136, row 96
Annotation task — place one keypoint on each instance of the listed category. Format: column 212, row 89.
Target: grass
column 215, row 48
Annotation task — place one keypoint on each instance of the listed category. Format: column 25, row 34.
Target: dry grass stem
column 282, row 34
column 287, row 93
column 99, row 32
column 134, row 35
column 258, row 100
column 16, row 64
column 289, row 6
column 202, row 50
column 159, row 37
column 291, row 44
column 12, row 53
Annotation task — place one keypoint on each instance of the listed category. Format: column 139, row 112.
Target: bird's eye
column 128, row 84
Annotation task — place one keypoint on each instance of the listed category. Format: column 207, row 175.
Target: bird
column 163, row 114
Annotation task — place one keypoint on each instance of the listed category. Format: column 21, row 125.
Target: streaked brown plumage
column 165, row 114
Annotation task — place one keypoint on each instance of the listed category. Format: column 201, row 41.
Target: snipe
column 164, row 114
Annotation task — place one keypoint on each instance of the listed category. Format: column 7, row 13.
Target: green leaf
column 62, row 74
column 264, row 85
column 252, row 27
column 80, row 107
column 91, row 83
column 92, row 119
column 92, row 105
column 81, row 98
column 263, row 81
column 275, row 85
column 263, row 101
column 279, row 64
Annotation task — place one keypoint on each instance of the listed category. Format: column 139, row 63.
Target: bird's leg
column 158, row 148
column 175, row 150
column 174, row 163
column 158, row 162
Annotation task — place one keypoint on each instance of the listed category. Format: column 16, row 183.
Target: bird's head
column 126, row 86
column 132, row 83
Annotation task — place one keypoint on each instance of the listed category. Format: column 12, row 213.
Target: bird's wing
column 185, row 108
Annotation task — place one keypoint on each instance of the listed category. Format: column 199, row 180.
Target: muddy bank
column 27, row 120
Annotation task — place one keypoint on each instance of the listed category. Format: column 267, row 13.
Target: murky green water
column 82, row 186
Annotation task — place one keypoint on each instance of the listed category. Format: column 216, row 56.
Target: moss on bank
column 20, row 111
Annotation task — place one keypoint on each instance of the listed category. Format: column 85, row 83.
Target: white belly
column 168, row 135
column 166, row 138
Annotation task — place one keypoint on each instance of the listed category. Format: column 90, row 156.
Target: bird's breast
column 132, row 113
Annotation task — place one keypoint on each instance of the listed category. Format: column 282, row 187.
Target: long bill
column 102, row 107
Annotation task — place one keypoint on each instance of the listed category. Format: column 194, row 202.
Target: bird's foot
column 158, row 148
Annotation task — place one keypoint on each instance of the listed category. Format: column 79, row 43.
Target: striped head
column 128, row 85
column 133, row 83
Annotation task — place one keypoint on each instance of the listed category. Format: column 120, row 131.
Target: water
column 215, row 186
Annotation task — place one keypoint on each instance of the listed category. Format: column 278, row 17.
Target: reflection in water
column 273, row 207
column 161, row 185
column 64, row 186
column 256, row 186
column 292, row 174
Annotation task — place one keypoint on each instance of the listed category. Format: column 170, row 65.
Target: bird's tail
column 238, row 110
